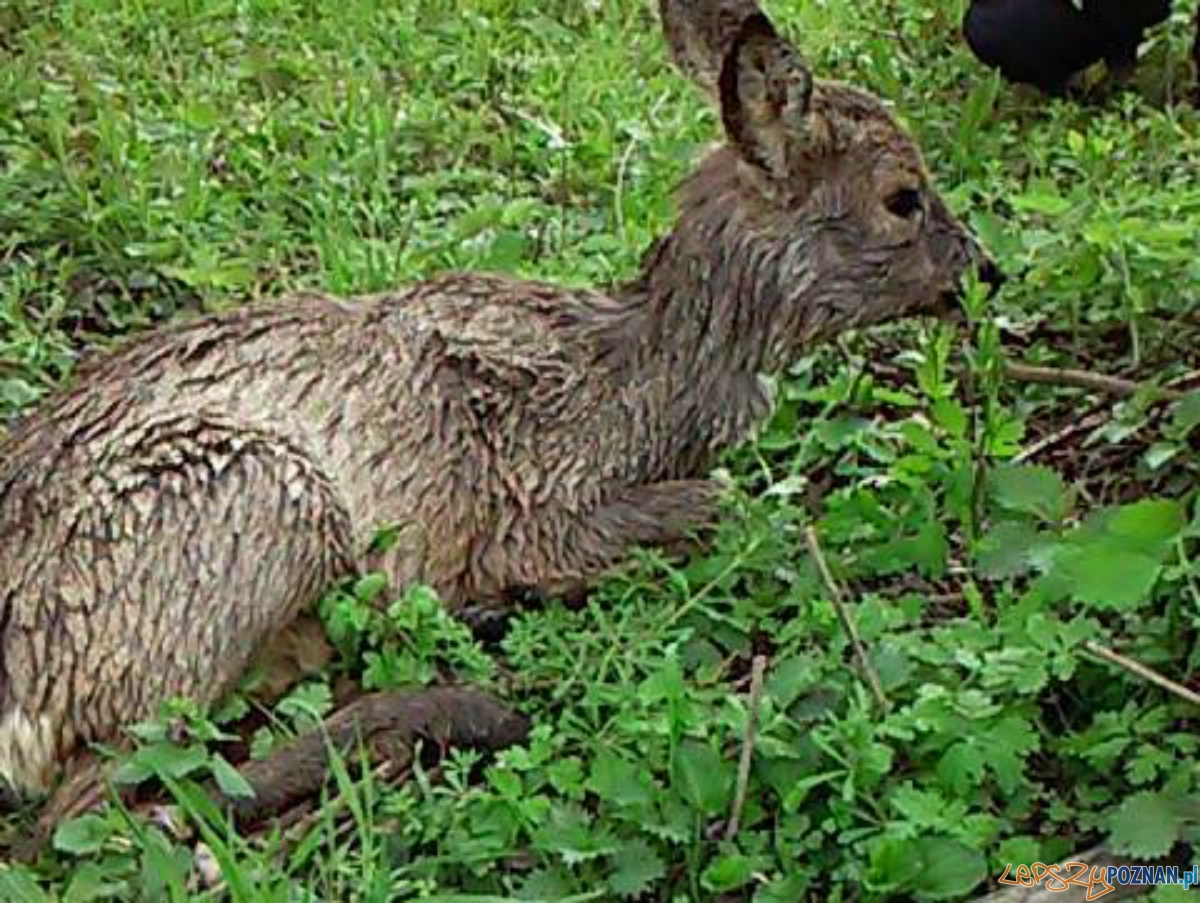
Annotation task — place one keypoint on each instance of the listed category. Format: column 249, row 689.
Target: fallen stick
column 1083, row 425
column 838, row 600
column 1142, row 671
column 1086, row 379
column 757, row 671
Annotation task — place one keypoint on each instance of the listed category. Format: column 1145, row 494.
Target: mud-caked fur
column 165, row 518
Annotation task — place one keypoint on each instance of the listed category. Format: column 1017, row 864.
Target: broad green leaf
column 950, row 416
column 174, row 761
column 1004, row 747
column 161, row 759
column 666, row 684
column 926, row 549
column 1150, row 525
column 927, row 868
column 229, row 779
column 925, row 808
column 702, row 776
column 570, row 834
column 961, row 767
column 506, row 781
column 952, row 869
column 1161, row 453
column 1145, row 825
column 18, row 885
column 672, row 821
column 1043, row 201
column 567, row 776
column 1105, row 575
column 728, row 873
column 991, row 229
column 507, row 250
column 1019, row 668
column 1186, row 414
column 1019, row 851
column 636, row 867
column 82, row 836
column 618, row 781
column 369, row 586
column 788, row 679
column 1005, row 552
column 894, row 666
column 545, row 884
column 97, row 881
column 165, row 868
column 1147, row 763
column 789, row 889
column 1029, row 489
column 307, row 704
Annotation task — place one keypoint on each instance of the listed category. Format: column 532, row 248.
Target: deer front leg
column 298, row 651
column 670, row 515
column 667, row 515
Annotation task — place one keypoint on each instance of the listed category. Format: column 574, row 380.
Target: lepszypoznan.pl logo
column 1098, row 879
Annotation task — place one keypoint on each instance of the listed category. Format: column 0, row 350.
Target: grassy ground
column 162, row 158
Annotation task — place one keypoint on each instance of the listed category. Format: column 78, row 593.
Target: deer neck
column 703, row 320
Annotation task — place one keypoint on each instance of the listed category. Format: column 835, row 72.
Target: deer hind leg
column 81, row 789
column 172, row 573
column 386, row 726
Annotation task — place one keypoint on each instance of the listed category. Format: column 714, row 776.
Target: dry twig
column 1083, row 425
column 753, row 705
column 1085, row 379
column 1188, row 382
column 836, row 596
column 1142, row 671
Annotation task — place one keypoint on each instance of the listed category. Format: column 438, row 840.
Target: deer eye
column 904, row 203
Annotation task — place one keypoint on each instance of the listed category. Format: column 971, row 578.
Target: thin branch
column 836, row 596
column 1142, row 671
column 753, row 705
column 1175, row 388
column 1188, row 382
column 1083, row 425
column 1085, row 379
column 619, row 201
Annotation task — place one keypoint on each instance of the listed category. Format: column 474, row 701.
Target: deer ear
column 698, row 33
column 765, row 88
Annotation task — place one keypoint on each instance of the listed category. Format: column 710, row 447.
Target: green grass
column 161, row 158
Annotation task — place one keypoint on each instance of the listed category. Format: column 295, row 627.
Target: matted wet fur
column 175, row 510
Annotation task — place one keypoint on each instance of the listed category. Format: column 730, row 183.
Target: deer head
column 818, row 212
